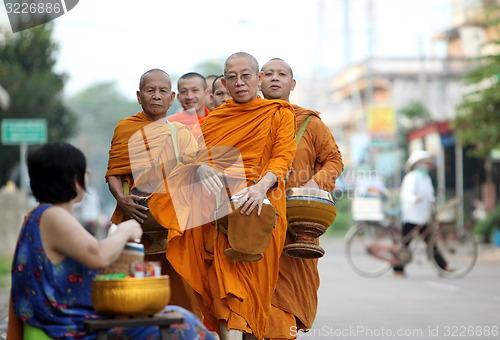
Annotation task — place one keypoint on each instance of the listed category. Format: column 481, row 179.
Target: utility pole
column 422, row 75
column 317, row 54
column 369, row 78
column 347, row 34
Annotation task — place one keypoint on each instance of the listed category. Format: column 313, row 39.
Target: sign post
column 23, row 132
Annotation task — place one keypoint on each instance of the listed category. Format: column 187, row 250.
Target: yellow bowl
column 310, row 205
column 131, row 296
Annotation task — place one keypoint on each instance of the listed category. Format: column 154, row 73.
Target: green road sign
column 24, row 131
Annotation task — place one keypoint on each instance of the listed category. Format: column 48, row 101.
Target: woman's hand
column 210, row 178
column 133, row 228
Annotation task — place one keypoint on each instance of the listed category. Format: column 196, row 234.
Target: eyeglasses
column 233, row 78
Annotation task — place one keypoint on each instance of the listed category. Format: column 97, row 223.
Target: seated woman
column 56, row 259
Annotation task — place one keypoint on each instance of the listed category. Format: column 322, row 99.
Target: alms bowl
column 130, row 295
column 310, row 205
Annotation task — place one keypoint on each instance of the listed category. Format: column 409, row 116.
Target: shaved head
column 253, row 61
column 277, row 80
column 141, row 81
column 210, row 80
column 279, row 59
column 192, row 75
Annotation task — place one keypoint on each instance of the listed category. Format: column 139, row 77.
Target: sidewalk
column 488, row 253
column 4, row 311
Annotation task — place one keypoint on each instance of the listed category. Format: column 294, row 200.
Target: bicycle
column 372, row 248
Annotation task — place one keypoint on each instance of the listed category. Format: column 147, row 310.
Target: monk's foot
column 230, row 334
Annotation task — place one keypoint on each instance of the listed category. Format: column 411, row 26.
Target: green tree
column 478, row 114
column 209, row 67
column 411, row 116
column 416, row 112
column 27, row 73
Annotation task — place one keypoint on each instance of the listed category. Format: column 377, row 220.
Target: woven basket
column 133, row 252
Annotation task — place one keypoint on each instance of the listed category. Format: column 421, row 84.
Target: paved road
column 419, row 306
column 4, row 311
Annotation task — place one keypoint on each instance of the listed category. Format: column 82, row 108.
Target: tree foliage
column 415, row 111
column 478, row 114
column 209, row 67
column 27, row 61
column 411, row 116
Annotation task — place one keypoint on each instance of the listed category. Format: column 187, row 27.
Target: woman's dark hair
column 53, row 169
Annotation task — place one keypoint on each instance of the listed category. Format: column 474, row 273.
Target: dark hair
column 53, row 169
column 213, row 83
column 193, row 75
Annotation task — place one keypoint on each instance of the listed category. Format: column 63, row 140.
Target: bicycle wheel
column 456, row 247
column 369, row 248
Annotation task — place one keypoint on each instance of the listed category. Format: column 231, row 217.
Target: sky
column 117, row 40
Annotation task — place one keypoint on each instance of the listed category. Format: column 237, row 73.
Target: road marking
column 442, row 286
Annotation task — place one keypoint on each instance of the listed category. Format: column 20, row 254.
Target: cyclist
column 417, row 199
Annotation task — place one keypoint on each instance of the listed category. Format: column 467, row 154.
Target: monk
column 141, row 155
column 235, row 296
column 193, row 93
column 317, row 164
column 210, row 98
column 220, row 93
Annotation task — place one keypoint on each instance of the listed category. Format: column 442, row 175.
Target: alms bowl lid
column 309, row 192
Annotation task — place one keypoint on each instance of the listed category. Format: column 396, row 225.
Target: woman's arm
column 63, row 236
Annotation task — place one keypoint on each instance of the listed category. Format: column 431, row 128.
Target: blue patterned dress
column 56, row 297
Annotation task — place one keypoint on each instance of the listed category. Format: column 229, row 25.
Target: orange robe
column 236, row 293
column 141, row 152
column 129, row 158
column 295, row 300
column 193, row 121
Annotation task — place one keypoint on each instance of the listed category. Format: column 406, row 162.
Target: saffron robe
column 138, row 146
column 193, row 121
column 295, row 297
column 237, row 293
column 142, row 154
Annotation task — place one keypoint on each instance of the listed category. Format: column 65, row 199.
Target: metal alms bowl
column 131, row 296
column 311, row 205
column 150, row 224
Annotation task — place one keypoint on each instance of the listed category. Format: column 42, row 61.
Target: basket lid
column 132, row 246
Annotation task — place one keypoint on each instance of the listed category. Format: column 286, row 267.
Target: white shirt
column 416, row 184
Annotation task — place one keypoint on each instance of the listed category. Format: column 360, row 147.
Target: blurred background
column 388, row 76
